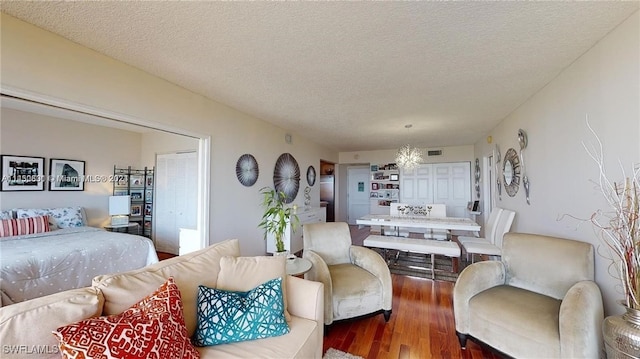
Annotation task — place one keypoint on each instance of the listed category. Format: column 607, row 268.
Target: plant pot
column 622, row 335
column 283, row 253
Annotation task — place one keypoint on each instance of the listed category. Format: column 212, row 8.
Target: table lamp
column 119, row 209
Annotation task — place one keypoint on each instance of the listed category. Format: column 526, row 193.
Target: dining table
column 424, row 222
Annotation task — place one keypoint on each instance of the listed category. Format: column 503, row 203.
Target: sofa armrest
column 305, row 299
column 371, row 261
column 319, row 272
column 581, row 316
column 474, row 279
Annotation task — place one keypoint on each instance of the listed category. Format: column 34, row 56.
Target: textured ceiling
column 349, row 75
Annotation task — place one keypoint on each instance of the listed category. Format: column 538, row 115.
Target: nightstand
column 131, row 228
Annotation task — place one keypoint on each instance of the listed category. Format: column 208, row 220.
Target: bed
column 39, row 264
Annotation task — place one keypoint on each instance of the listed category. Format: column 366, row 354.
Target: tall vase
column 622, row 335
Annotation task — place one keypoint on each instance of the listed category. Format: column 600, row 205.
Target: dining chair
column 396, row 231
column 437, row 210
column 505, row 220
column 489, row 229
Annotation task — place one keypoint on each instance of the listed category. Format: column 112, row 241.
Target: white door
column 176, row 199
column 357, row 193
column 440, row 183
column 453, row 187
column 417, row 185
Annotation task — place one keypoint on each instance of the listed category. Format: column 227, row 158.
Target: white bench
column 416, row 245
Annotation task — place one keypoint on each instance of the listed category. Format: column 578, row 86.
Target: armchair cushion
column 333, row 241
column 545, row 264
column 355, row 290
column 525, row 317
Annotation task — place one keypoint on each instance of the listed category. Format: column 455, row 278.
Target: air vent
column 434, row 153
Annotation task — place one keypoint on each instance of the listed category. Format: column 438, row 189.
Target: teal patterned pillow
column 228, row 316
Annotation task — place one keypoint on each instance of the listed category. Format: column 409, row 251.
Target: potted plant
column 276, row 216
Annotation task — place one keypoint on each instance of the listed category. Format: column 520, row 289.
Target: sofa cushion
column 245, row 273
column 151, row 328
column 230, row 316
column 303, row 341
column 18, row 328
column 189, row 271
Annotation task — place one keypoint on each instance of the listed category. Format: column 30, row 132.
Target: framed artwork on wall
column 66, row 175
column 22, row 173
column 136, row 195
column 136, row 210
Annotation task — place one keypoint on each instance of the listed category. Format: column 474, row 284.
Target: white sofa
column 26, row 328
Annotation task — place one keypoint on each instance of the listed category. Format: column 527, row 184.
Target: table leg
column 433, row 266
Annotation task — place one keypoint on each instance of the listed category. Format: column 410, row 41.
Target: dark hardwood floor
column 421, row 326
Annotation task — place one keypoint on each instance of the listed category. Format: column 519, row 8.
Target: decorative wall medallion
column 477, row 178
column 247, row 170
column 311, row 176
column 307, row 196
column 511, row 172
column 286, row 176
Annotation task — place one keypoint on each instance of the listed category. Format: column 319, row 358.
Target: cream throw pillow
column 245, row 273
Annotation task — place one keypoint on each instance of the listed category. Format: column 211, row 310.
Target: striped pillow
column 22, row 226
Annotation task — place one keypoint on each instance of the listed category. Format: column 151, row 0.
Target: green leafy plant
column 276, row 216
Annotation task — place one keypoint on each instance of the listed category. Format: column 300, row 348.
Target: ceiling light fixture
column 408, row 157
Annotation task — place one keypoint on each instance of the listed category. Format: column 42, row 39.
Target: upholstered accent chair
column 356, row 280
column 539, row 301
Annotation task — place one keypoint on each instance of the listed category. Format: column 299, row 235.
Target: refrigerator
column 327, row 196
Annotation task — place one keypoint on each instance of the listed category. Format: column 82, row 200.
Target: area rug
column 419, row 265
column 337, row 354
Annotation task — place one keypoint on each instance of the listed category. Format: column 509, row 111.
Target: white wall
column 30, row 134
column 154, row 143
column 38, row 61
column 603, row 84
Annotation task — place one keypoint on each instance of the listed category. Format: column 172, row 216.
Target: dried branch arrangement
column 619, row 226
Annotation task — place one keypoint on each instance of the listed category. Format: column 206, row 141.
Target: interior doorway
column 328, row 189
column 358, row 193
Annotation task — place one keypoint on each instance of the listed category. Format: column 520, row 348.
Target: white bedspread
column 40, row 264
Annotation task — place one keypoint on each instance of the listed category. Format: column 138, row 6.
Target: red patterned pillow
column 21, row 226
column 151, row 328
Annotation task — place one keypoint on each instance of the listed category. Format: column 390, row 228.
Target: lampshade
column 119, row 205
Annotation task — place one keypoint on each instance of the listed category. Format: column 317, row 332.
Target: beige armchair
column 539, row 301
column 356, row 280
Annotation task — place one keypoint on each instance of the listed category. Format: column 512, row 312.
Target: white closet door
column 176, row 198
column 453, row 187
column 442, row 183
column 417, row 185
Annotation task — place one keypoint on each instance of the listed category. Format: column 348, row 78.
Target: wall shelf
column 137, row 183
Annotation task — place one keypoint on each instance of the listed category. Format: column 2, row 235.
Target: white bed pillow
column 60, row 217
column 6, row 215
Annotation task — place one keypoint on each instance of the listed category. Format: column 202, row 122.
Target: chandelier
column 408, row 157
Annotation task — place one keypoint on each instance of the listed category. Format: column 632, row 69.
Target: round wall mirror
column 511, row 172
